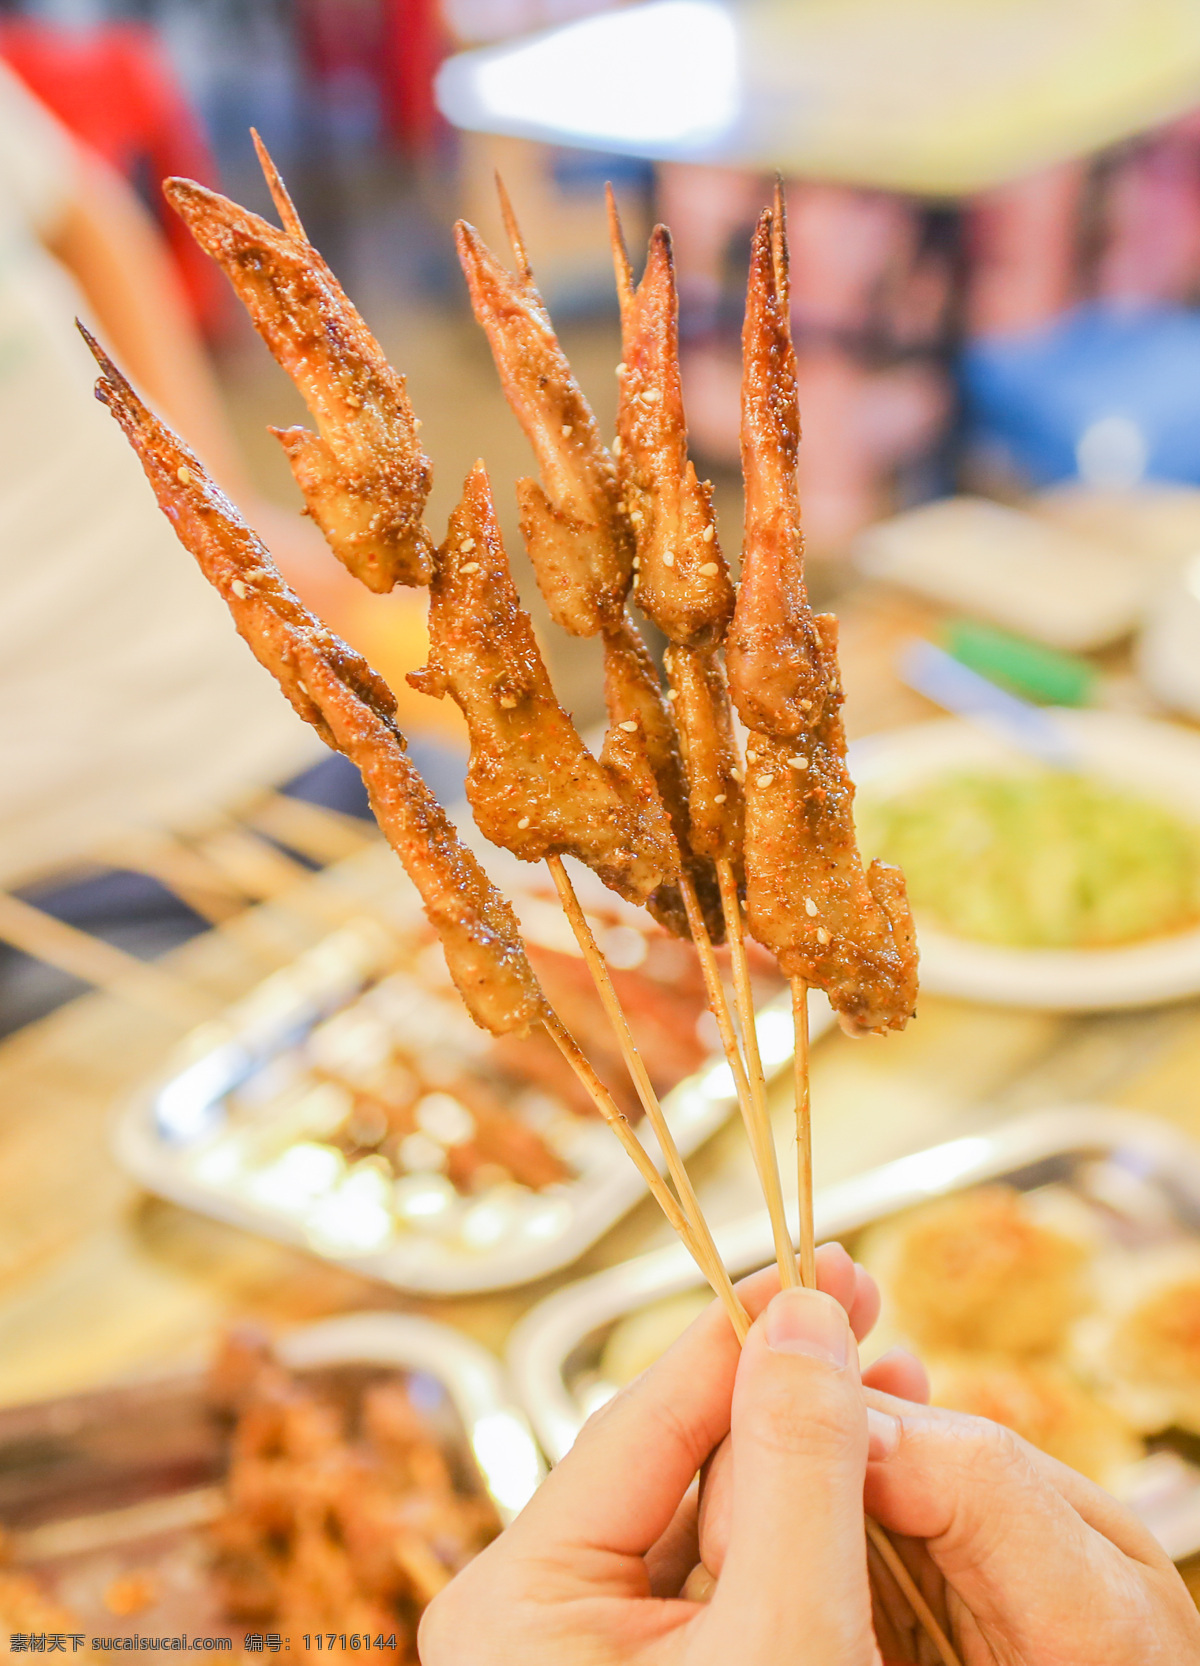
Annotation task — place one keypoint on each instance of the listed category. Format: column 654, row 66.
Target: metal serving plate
column 1136, row 1166
column 99, row 1486
column 177, row 1138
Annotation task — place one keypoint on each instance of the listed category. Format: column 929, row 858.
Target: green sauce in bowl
column 1039, row 859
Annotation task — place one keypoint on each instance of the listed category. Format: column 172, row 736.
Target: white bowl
column 1158, row 761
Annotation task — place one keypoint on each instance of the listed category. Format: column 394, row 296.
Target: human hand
column 591, row 1572
column 1023, row 1561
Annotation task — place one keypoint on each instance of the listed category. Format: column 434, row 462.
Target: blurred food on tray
column 1061, row 1299
column 1043, row 1404
column 26, row 1607
column 390, row 1113
column 1143, row 1346
column 256, row 1497
column 337, row 1517
column 1030, row 1310
column 979, row 1272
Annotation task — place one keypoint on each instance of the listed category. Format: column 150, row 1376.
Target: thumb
column 795, row 1571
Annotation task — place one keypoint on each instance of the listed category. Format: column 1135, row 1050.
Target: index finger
column 622, row 1481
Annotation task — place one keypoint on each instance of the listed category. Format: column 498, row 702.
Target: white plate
column 1158, row 761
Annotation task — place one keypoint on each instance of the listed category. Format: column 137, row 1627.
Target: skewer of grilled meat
column 682, row 583
column 364, row 476
column 585, row 578
column 578, row 539
column 808, row 898
column 634, row 694
column 704, row 720
column 681, row 580
column 537, row 791
column 351, row 708
column 533, row 786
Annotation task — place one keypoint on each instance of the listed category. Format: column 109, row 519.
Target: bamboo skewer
column 752, row 1101
column 804, row 1171
column 877, row 1537
column 710, row 1265
column 185, row 873
column 758, row 1119
column 318, row 833
column 96, row 962
column 634, row 1062
column 890, row 1557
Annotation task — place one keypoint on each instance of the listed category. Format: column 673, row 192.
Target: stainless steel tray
column 555, row 1351
column 178, row 1137
column 121, row 1480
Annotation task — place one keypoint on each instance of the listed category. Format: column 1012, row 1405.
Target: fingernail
column 883, row 1435
column 806, row 1322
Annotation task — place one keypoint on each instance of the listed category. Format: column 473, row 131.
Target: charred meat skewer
column 533, row 786
column 585, row 578
column 577, row 536
column 351, row 708
column 364, row 476
column 681, row 580
column 847, row 931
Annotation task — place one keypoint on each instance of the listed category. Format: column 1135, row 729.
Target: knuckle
column 823, row 1424
column 1002, row 1451
column 675, row 1430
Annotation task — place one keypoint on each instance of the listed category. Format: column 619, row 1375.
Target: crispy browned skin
column 848, row 932
column 576, row 533
column 857, row 942
column 533, row 786
column 704, row 721
column 681, row 579
column 777, row 674
column 633, row 693
column 580, row 540
column 364, row 476
column 351, row 708
column 807, row 897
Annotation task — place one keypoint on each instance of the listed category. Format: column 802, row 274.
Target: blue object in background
column 1110, row 393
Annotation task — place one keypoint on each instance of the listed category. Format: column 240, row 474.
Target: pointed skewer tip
column 111, row 380
column 620, row 252
column 280, row 196
column 513, row 230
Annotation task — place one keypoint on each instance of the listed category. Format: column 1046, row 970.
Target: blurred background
column 1038, row 330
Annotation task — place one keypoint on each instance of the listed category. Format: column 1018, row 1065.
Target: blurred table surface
column 98, row 1280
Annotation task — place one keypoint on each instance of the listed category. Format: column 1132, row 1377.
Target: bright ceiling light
column 659, row 75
